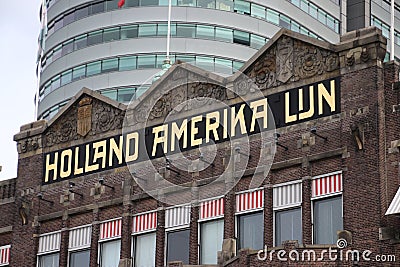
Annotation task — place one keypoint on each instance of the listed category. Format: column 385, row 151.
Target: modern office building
column 315, row 185
column 116, row 50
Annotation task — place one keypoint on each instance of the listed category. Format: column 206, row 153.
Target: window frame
column 71, row 251
column 171, row 230
column 199, row 233
column 298, row 206
column 39, row 256
column 100, row 247
column 134, row 242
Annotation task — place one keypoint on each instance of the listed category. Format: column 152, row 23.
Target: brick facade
column 369, row 168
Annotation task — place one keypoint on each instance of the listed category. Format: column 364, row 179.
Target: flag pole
column 169, row 29
column 392, row 30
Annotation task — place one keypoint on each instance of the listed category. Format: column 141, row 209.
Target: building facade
column 320, row 166
column 116, row 51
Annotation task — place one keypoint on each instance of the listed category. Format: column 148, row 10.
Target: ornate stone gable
column 289, row 60
column 86, row 116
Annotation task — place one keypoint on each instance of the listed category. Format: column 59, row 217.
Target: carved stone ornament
column 106, row 117
column 29, row 144
column 284, row 59
column 290, row 60
column 84, row 116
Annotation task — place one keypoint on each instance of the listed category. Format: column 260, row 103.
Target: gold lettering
column 288, row 117
column 160, row 139
column 66, row 153
column 88, row 167
column 77, row 170
column 131, row 157
column 262, row 114
column 51, row 167
column 101, row 154
column 194, row 130
column 212, row 126
column 178, row 132
column 329, row 98
column 117, row 150
column 310, row 112
column 301, row 99
column 238, row 118
column 225, row 128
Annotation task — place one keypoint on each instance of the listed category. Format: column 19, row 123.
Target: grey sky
column 19, row 25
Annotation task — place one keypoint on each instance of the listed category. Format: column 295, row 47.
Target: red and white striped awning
column 327, row 185
column 5, row 255
column 144, row 222
column 110, row 229
column 250, row 200
column 212, row 209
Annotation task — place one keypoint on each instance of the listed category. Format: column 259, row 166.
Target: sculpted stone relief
column 95, row 117
column 290, row 60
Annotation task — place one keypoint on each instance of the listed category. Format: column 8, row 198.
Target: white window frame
column 78, row 249
column 199, row 222
column 297, row 206
column 324, row 196
column 106, row 240
column 312, row 210
column 38, row 255
column 134, row 235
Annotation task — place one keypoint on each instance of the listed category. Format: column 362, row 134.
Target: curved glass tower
column 115, row 50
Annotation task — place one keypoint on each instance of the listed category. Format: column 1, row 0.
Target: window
column 185, row 30
column 109, row 253
column 131, row 3
column 55, row 82
column 58, row 25
column 111, row 5
column 223, row 66
column 129, row 32
column 145, row 250
column 258, row 11
column 251, row 230
column 66, row 77
column 146, row 30
column 273, row 16
column 82, row 12
column 288, row 226
column 211, row 237
column 186, row 2
column 205, row 32
column 226, row 5
column 284, row 21
column 80, row 42
column 178, row 246
column 125, row 94
column 242, row 7
column 68, row 47
column 109, row 65
column 111, row 34
column 79, row 258
column 240, row 37
column 327, row 219
column 97, row 7
column 68, row 18
column 78, row 73
column 49, row 260
column 206, row 3
column 206, row 63
column 93, row 68
column 57, row 52
column 127, row 63
column 95, row 37
column 149, row 2
column 110, row 94
column 222, row 34
column 146, row 62
column 257, row 41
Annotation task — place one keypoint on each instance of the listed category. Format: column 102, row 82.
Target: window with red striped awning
column 110, row 229
column 212, row 208
column 327, row 185
column 144, row 222
column 5, row 255
column 250, row 200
